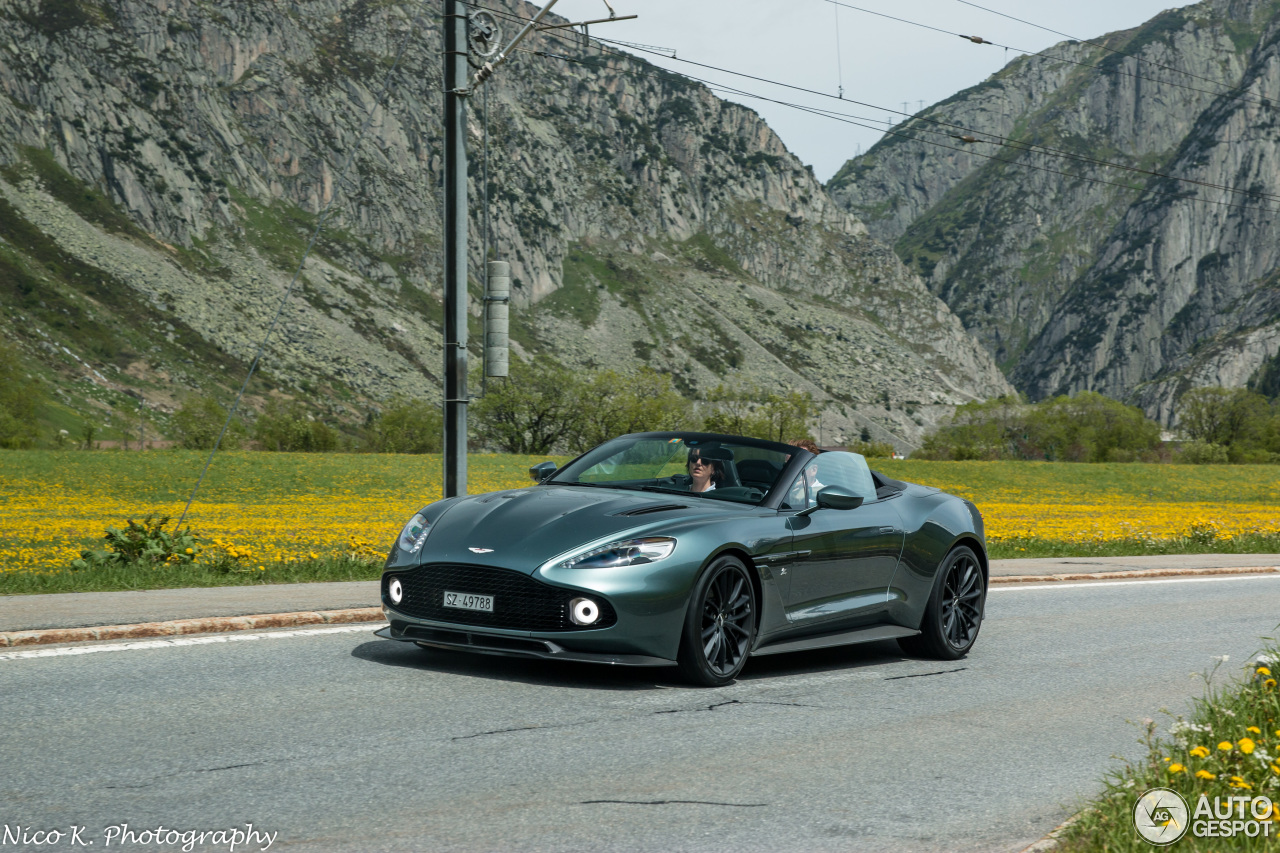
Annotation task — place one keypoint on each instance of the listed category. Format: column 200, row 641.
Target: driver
column 705, row 474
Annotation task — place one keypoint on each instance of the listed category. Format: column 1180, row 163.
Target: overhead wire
column 857, row 121
column 1044, row 54
column 861, row 121
column 1018, row 145
column 995, row 139
column 1097, row 44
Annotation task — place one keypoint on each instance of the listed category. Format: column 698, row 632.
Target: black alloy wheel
column 953, row 615
column 720, row 625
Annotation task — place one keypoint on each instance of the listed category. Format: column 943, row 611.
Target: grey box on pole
column 497, row 319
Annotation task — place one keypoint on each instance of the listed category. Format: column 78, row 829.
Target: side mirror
column 542, row 471
column 834, row 497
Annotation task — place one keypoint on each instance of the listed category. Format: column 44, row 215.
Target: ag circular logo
column 1161, row 816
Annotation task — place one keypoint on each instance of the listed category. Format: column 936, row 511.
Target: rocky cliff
column 165, row 161
column 1078, row 275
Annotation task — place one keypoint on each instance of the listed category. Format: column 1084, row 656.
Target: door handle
column 890, row 530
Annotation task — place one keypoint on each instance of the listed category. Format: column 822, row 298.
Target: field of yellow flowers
column 277, row 507
column 254, row 507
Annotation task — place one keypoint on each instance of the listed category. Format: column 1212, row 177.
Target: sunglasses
column 698, row 460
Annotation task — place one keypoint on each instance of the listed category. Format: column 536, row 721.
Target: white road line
column 1109, row 583
column 139, row 645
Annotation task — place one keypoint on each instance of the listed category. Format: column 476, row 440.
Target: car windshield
column 726, row 468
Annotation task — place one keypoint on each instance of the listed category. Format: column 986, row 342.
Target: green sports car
column 695, row 550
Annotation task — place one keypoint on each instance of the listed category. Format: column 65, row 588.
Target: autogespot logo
column 1160, row 816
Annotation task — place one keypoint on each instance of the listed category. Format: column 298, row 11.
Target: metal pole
column 484, row 238
column 455, row 250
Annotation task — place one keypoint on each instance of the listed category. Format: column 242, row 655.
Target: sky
column 879, row 61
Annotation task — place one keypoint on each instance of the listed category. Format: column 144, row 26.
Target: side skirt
column 843, row 638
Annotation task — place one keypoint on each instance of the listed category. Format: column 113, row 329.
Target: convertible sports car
column 691, row 549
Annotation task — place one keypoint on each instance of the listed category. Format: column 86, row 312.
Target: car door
column 845, row 559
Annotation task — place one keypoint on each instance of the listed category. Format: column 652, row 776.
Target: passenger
column 810, row 474
column 705, row 474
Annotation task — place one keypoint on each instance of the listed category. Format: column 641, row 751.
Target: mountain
column 1077, row 275
column 162, row 166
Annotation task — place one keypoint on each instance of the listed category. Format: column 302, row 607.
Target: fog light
column 583, row 611
column 395, row 591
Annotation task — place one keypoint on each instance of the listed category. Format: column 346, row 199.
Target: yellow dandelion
column 1262, row 670
column 1204, row 774
column 1225, row 746
column 1237, row 782
column 1177, row 768
column 1269, row 683
column 1200, row 752
column 1246, row 745
column 1254, row 729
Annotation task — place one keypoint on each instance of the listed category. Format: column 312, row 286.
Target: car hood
column 524, row 528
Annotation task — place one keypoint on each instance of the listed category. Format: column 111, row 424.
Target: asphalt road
column 342, row 741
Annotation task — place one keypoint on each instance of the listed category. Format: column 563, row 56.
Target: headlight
column 625, row 552
column 414, row 534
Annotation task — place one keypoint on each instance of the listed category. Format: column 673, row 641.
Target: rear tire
column 720, row 625
column 954, row 613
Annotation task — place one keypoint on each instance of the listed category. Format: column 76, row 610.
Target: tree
column 408, row 426
column 1090, row 428
column 288, row 427
column 537, row 408
column 198, row 421
column 19, row 397
column 752, row 412
column 1231, row 417
column 610, row 405
column 1085, row 428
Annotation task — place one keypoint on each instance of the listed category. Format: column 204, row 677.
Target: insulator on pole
column 497, row 305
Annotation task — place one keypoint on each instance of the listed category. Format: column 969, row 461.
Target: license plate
column 467, row 601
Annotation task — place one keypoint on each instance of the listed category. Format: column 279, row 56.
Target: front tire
column 954, row 613
column 720, row 625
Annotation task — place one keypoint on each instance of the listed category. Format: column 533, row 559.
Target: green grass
column 1252, row 543
column 296, row 504
column 135, row 577
column 1224, row 716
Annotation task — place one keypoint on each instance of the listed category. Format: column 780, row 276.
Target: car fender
column 936, row 525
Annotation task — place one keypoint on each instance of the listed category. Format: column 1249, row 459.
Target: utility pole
column 455, row 249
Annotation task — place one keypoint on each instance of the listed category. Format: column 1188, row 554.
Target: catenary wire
column 995, row 139
column 1044, row 54
column 1004, row 141
column 1101, row 45
column 860, row 121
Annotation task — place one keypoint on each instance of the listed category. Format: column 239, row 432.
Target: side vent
column 646, row 510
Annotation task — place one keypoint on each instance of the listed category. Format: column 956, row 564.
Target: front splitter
column 506, row 646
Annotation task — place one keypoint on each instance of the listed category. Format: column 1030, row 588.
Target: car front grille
column 520, row 603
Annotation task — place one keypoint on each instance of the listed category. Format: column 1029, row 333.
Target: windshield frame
column 771, row 499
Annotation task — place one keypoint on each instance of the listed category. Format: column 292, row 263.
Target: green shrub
column 1085, row 428
column 1202, row 453
column 288, row 427
column 408, row 426
column 145, row 542
column 873, row 449
column 198, row 421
